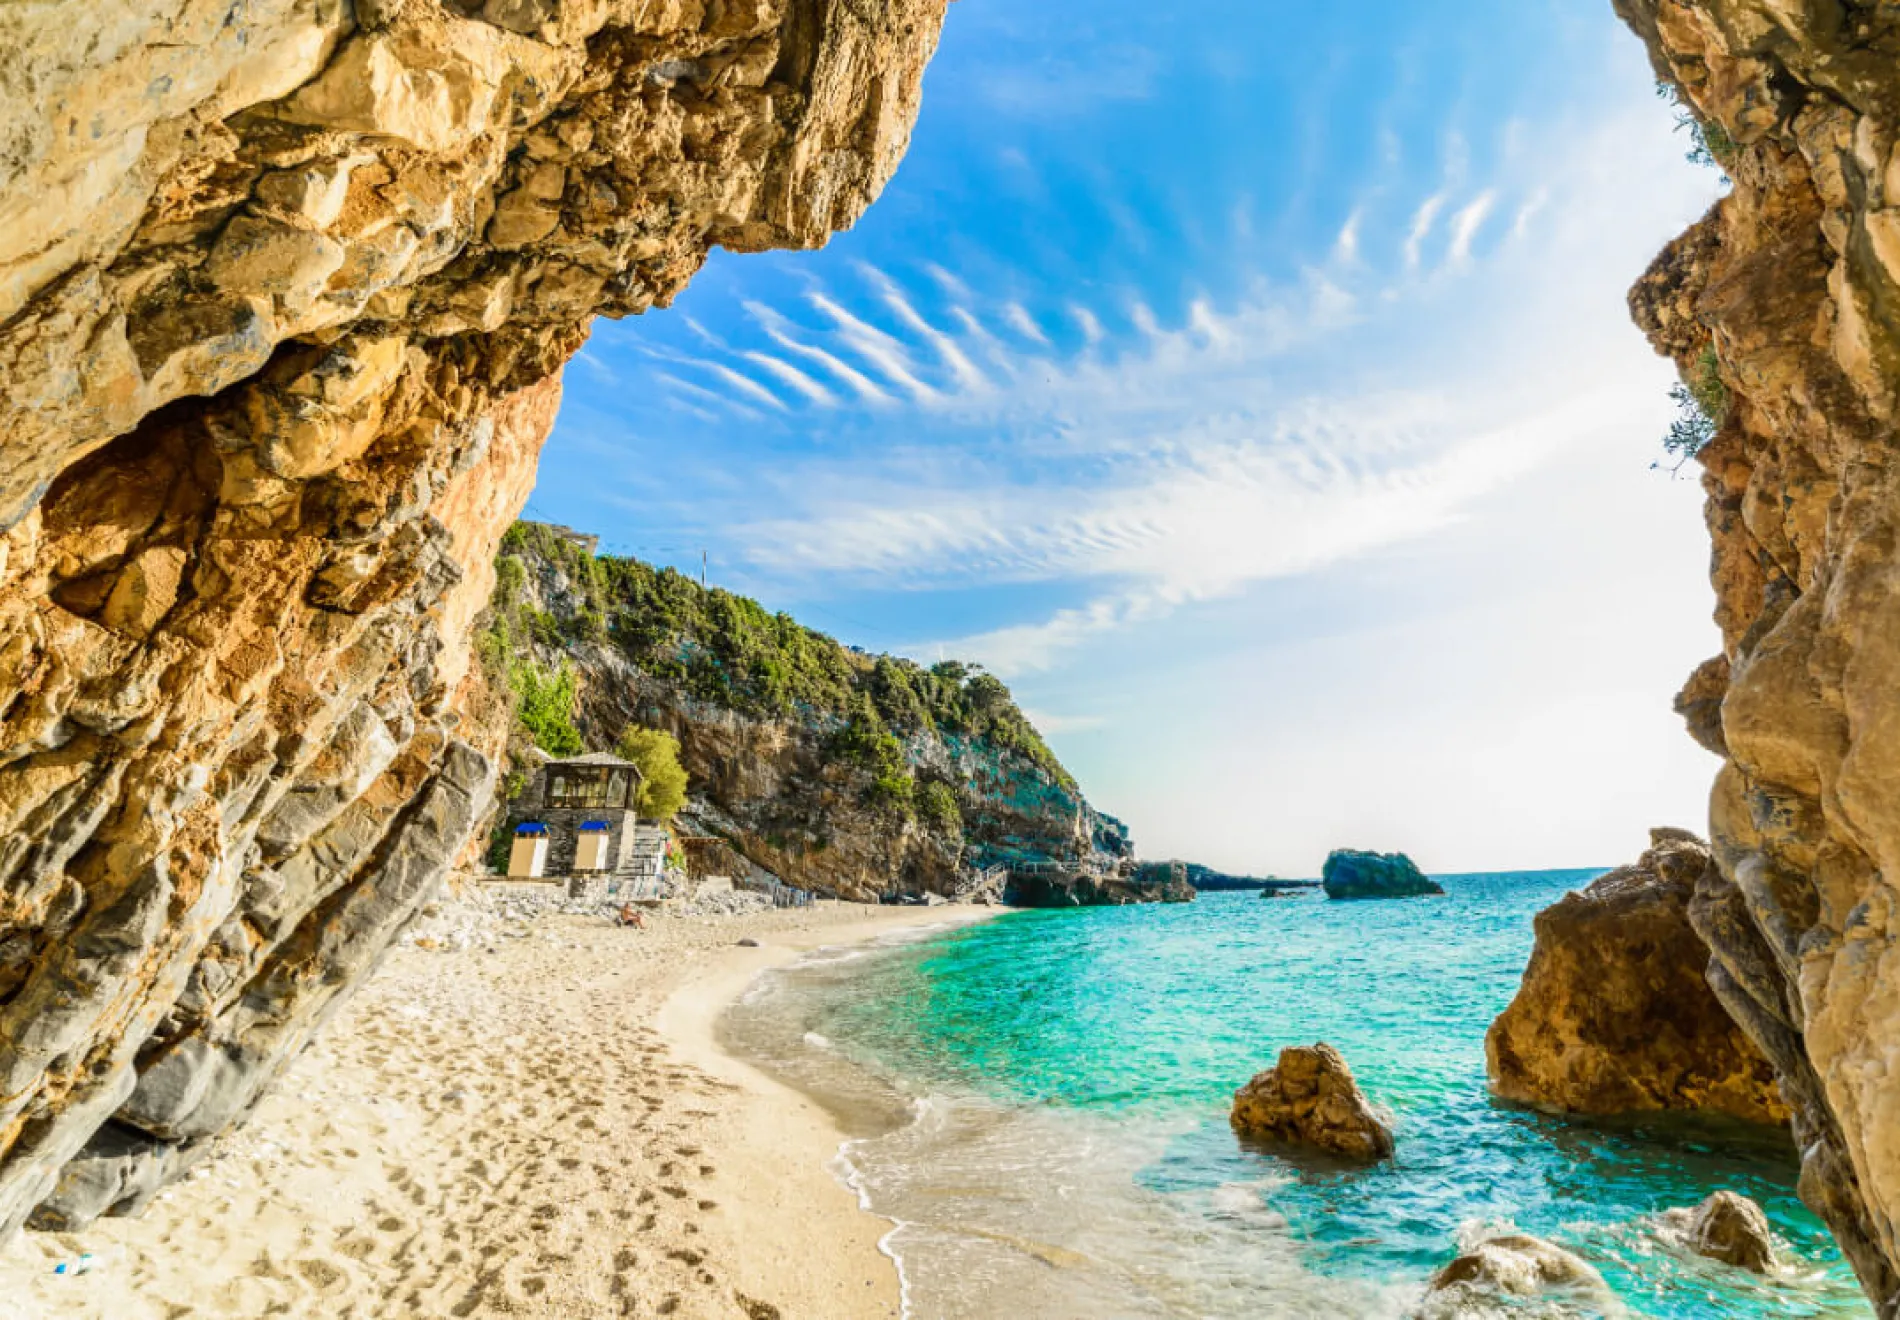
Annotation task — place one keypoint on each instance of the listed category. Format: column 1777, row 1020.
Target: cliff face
column 842, row 773
column 1616, row 1016
column 285, row 289
column 1789, row 293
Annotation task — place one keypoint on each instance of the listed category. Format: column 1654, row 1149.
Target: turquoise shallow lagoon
column 1039, row 1104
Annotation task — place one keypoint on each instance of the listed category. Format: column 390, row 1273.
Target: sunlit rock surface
column 1615, row 1014
column 1513, row 1273
column 285, row 290
column 1309, row 1100
column 1728, row 1227
column 1792, row 281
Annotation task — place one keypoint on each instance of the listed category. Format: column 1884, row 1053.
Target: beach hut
column 584, row 807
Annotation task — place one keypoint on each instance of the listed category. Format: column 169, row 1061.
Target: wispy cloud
column 1017, row 317
column 1346, row 246
column 1466, row 224
column 882, row 351
column 1057, row 87
column 778, row 329
column 1422, row 221
column 1187, row 447
column 793, row 377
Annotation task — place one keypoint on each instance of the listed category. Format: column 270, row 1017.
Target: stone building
column 586, row 804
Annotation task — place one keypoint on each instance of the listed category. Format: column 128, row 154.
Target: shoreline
column 788, row 1139
column 524, row 1113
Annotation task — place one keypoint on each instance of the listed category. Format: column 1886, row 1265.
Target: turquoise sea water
column 1039, row 1103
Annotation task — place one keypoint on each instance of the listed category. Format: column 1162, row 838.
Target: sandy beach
column 539, row 1124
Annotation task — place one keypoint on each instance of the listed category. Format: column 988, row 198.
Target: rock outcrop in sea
column 1615, row 1014
column 1352, row 874
column 285, row 293
column 1309, row 1100
column 1511, row 1269
column 846, row 774
column 1728, row 1227
column 1781, row 311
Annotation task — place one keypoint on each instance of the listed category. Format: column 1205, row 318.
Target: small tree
column 1702, row 404
column 662, row 777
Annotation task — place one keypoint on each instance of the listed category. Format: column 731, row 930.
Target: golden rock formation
column 1615, row 1014
column 1788, row 291
column 285, row 291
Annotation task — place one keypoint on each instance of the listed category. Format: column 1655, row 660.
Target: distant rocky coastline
column 857, row 776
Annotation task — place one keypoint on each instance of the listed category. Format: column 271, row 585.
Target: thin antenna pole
column 702, row 569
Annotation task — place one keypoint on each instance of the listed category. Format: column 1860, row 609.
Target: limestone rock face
column 281, row 347
column 1511, row 1266
column 1789, row 289
column 1615, row 1014
column 1730, row 1228
column 770, row 783
column 1352, row 874
column 1309, row 1099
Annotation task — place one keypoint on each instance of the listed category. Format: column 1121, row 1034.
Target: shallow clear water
column 1040, row 1102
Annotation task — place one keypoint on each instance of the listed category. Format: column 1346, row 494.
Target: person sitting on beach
column 632, row 916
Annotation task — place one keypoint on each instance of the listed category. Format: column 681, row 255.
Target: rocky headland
column 285, row 293
column 1351, row 874
column 858, row 776
column 1615, row 1014
column 1781, row 309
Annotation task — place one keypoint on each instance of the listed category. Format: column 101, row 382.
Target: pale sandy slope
column 509, row 1133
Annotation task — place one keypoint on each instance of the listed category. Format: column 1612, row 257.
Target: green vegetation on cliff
column 662, row 777
column 1702, row 403
column 730, row 651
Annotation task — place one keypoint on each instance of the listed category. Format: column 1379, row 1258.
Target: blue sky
column 1255, row 394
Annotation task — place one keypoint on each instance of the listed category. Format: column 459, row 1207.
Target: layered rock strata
column 1782, row 306
column 1615, row 1014
column 285, row 289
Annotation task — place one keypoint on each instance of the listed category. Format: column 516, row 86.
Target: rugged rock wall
column 285, row 288
column 1793, row 280
column 776, row 777
column 1615, row 1015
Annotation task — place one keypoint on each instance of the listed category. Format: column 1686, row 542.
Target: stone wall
column 285, row 290
column 1790, row 287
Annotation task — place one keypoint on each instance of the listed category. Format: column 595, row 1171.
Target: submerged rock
column 1515, row 1265
column 1730, row 1228
column 1353, row 874
column 1615, row 1014
column 1309, row 1099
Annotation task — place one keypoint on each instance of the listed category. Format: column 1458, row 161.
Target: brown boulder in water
column 1513, row 1265
column 1309, row 1099
column 1730, row 1228
column 1615, row 1014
